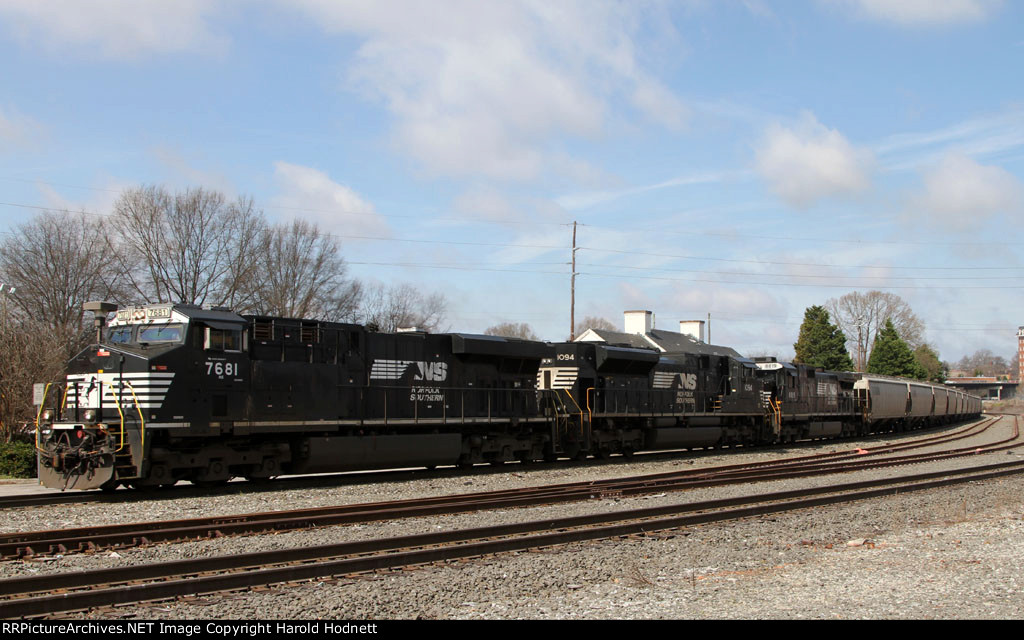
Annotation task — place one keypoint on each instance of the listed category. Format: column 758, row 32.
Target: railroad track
column 62, row 593
column 66, row 541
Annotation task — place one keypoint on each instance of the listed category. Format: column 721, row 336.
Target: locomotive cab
column 120, row 395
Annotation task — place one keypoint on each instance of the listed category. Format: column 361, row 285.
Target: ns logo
column 688, row 380
column 431, row 371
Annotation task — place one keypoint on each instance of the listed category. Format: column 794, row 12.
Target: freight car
column 903, row 404
column 177, row 392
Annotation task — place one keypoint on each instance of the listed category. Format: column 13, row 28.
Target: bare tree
column 861, row 316
column 56, row 263
column 512, row 330
column 302, row 275
column 985, row 363
column 190, row 247
column 594, row 322
column 402, row 307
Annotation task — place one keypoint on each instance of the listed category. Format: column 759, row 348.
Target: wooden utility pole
column 572, row 288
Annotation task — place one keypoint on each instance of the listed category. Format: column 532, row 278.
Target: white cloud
column 113, row 28
column 494, row 88
column 925, row 12
column 962, row 192
column 311, row 194
column 809, row 162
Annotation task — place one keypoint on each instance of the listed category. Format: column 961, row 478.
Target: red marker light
column 102, row 352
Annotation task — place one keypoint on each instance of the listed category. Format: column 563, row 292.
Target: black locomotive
column 176, row 392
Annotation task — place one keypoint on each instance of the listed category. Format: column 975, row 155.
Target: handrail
column 64, row 400
column 573, row 400
column 577, row 407
column 117, row 403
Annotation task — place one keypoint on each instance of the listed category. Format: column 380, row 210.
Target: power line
column 762, row 237
column 796, row 275
column 790, row 264
column 787, row 284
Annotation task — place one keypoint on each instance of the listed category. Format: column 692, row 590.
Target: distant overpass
column 985, row 388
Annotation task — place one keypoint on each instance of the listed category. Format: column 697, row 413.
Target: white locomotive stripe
column 663, row 379
column 561, row 377
column 150, row 389
column 389, row 369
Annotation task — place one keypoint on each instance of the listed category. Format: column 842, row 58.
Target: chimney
column 638, row 322
column 692, row 328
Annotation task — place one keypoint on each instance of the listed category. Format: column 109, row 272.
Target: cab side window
column 222, row 339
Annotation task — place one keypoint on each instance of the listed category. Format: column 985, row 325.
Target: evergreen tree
column 821, row 343
column 892, row 357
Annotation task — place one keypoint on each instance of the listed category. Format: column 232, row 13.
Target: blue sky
column 743, row 159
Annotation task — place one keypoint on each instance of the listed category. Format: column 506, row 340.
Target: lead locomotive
column 176, row 392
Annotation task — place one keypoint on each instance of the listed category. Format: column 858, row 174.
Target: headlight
column 91, row 416
column 47, row 415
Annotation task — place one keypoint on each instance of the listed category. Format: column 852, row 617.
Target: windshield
column 161, row 333
column 120, row 335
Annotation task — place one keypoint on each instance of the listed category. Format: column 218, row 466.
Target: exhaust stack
column 100, row 311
